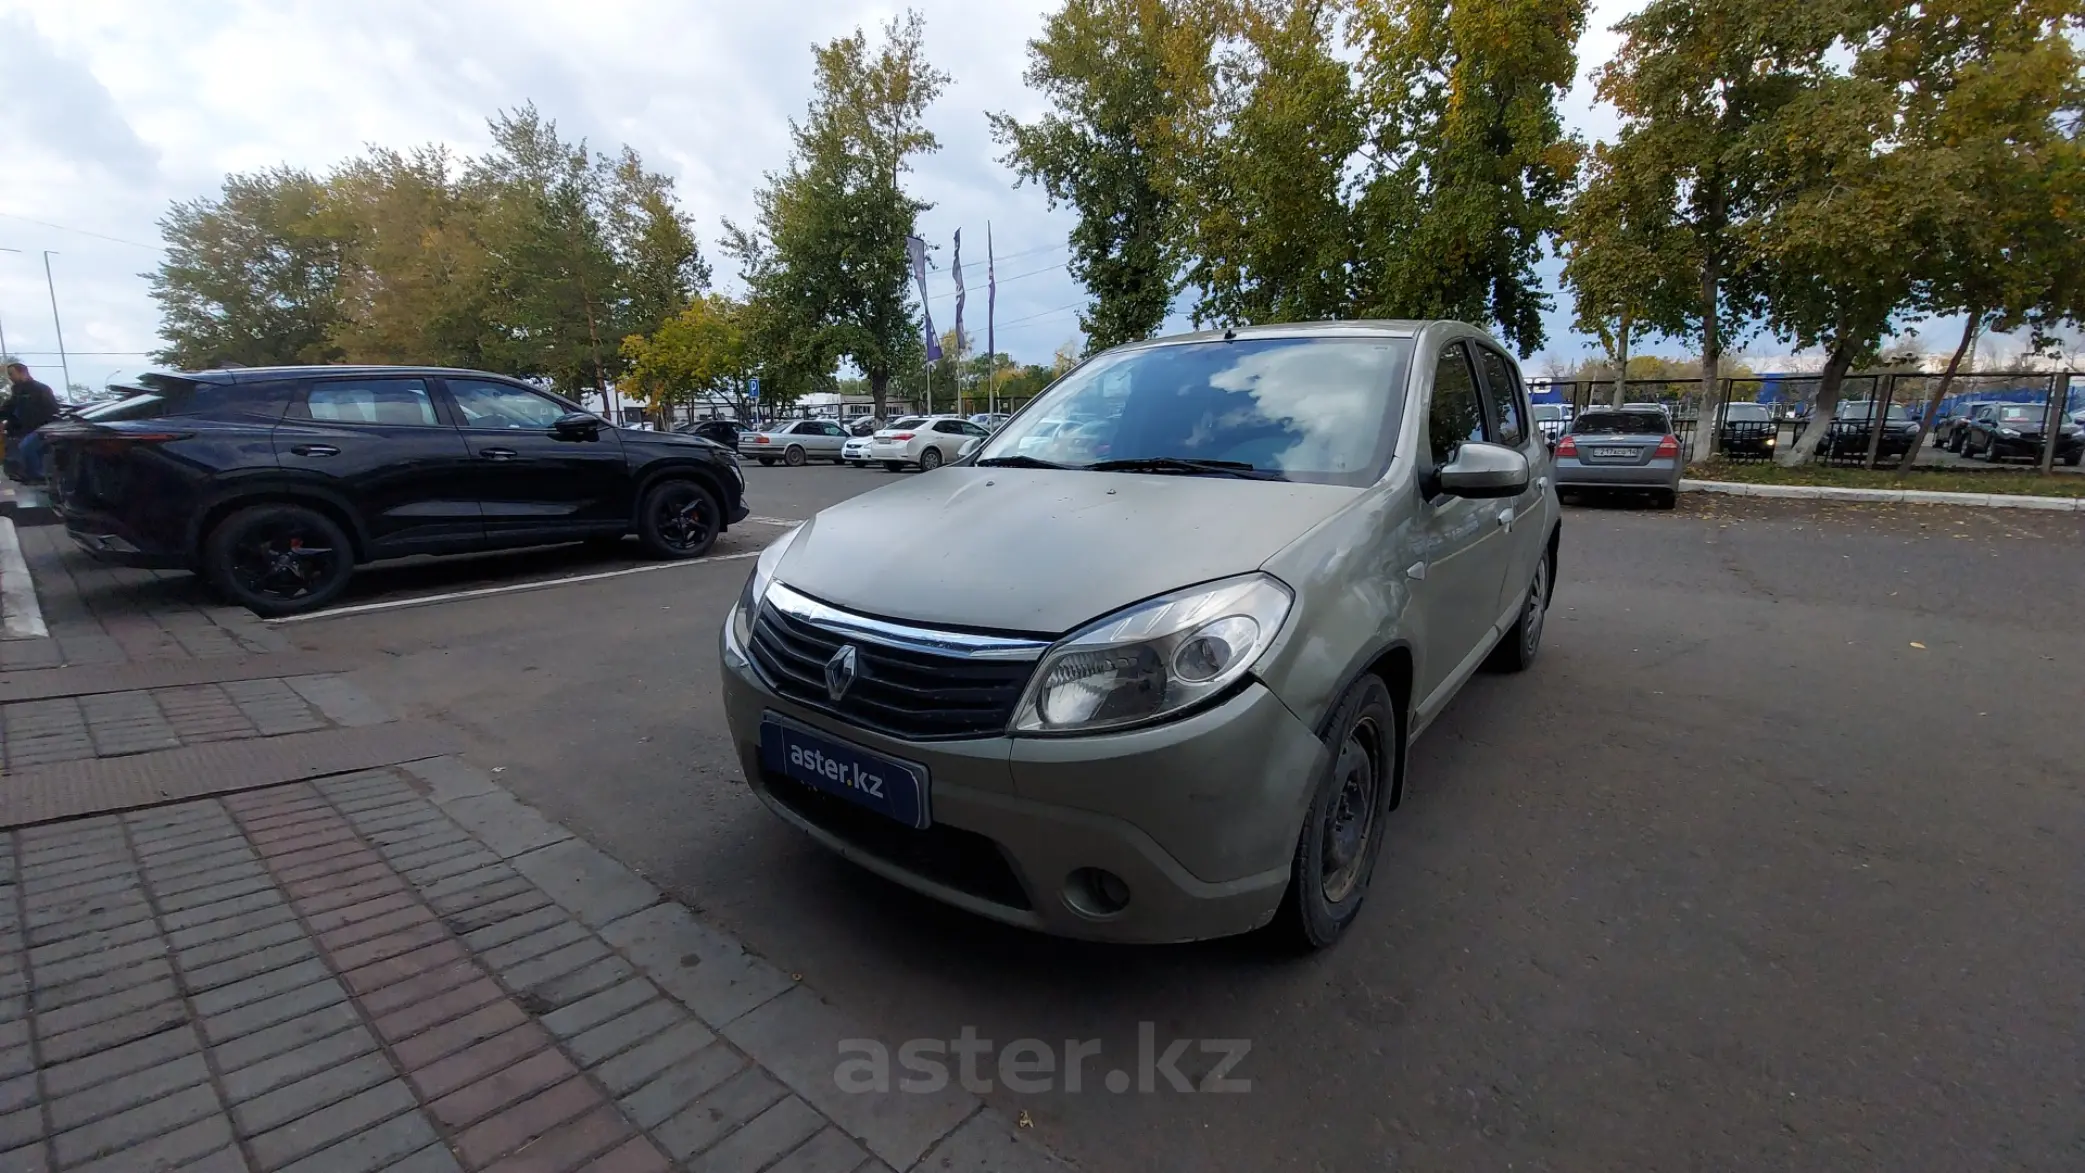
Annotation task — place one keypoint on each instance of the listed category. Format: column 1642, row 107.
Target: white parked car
column 794, row 443
column 926, row 441
column 856, row 451
column 990, row 420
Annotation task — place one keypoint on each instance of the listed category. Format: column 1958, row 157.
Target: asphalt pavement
column 1771, row 861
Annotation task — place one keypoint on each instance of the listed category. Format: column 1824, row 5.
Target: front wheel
column 1517, row 648
column 894, row 466
column 1343, row 830
column 678, row 519
column 767, row 462
column 930, row 459
column 278, row 559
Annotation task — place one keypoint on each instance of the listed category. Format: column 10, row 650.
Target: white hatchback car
column 856, row 451
column 926, row 441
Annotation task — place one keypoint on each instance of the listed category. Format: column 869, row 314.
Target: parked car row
column 2006, row 431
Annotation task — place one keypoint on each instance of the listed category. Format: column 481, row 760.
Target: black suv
column 275, row 482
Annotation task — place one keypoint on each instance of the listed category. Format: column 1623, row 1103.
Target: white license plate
column 1614, row 453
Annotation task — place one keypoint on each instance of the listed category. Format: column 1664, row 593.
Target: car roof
column 250, row 374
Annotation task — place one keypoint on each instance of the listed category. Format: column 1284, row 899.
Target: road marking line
column 502, row 589
column 17, row 589
column 774, row 521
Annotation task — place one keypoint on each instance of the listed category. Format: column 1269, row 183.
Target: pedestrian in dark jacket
column 29, row 408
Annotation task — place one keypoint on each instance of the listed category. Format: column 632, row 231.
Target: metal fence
column 1762, row 415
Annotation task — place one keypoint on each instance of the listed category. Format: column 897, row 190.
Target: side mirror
column 1485, row 470
column 578, row 425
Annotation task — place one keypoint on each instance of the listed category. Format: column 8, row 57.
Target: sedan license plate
column 1615, row 453
column 894, row 789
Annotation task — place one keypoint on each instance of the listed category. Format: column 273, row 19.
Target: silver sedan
column 1622, row 448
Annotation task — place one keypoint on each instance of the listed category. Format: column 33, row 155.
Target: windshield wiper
column 1018, row 462
column 1184, row 466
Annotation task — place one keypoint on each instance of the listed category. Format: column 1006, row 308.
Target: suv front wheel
column 278, row 559
column 678, row 519
column 1343, row 830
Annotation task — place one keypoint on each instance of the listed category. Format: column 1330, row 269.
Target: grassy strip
column 2022, row 482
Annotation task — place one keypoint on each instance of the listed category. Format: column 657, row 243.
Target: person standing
column 31, row 406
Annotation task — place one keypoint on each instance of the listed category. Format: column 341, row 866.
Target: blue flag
column 916, row 249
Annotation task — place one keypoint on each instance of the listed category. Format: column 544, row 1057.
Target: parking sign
column 754, row 387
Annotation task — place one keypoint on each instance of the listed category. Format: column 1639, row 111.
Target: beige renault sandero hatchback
column 1207, row 590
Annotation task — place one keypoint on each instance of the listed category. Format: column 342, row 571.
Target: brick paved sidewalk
column 409, row 970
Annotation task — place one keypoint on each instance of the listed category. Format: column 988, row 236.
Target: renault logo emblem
column 839, row 673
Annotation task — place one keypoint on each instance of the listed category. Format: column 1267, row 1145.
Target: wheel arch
column 1393, row 665
column 223, row 505
column 702, row 474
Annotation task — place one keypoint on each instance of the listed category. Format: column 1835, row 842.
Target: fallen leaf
column 1918, row 645
column 1024, row 1120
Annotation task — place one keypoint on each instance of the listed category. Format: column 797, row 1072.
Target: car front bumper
column 856, row 450
column 2022, row 446
column 1658, row 474
column 1198, row 817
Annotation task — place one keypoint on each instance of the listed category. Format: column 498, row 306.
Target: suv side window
column 486, row 404
column 390, row 402
column 1456, row 411
column 1505, row 396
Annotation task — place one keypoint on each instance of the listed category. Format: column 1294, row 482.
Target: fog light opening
column 1096, row 892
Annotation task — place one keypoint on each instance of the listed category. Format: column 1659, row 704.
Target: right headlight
column 740, row 625
column 1154, row 659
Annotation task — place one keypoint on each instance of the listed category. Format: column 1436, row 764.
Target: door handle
column 1506, row 518
column 315, row 450
column 498, row 453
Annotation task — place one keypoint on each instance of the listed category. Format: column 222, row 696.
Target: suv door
column 383, row 444
column 531, row 483
column 1529, row 516
column 1461, row 544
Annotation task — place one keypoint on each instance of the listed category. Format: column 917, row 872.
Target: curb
column 1894, row 496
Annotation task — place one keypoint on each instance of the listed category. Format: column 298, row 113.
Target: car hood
column 1040, row 550
column 647, row 439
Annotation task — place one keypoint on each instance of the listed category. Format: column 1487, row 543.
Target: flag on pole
column 916, row 250
column 957, row 269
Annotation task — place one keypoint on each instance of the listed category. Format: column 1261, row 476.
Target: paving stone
column 730, row 1104
column 21, row 1129
column 490, row 1094
column 515, row 928
column 335, row 1122
column 554, row 964
column 793, row 1036
column 213, row 953
column 765, row 1137
column 229, row 928
column 128, row 1091
column 559, row 933
column 308, row 1059
column 830, row 1151
column 682, row 1084
column 171, row 904
column 450, row 778
column 272, row 1011
column 312, row 1093
column 381, row 1148
column 411, row 915
column 152, row 969
column 112, row 1032
column 486, row 1022
column 326, row 922
column 569, row 1144
column 443, row 1007
column 470, row 920
column 708, row 972
column 250, row 965
column 444, row 854
column 225, row 1160
column 17, row 1093
column 421, row 987
column 475, row 1063
column 435, row 1158
column 597, row 1008
column 474, row 888
column 374, row 977
column 590, row 885
column 169, row 1151
column 124, row 926
column 61, row 1079
column 636, row 1155
column 988, row 1143
column 88, row 1011
column 630, row 1070
column 617, row 1034
column 224, row 999
column 515, row 1126
column 113, row 1134
column 284, row 1036
column 340, row 699
column 245, row 867
column 427, row 874
column 505, row 825
column 187, row 918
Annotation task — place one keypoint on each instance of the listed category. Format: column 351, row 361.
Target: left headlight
column 1154, row 659
column 763, row 576
column 2009, row 431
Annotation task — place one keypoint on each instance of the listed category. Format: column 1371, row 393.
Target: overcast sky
column 113, row 108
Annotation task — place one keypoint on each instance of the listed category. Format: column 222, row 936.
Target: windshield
column 2019, row 413
column 1747, row 413
column 1865, row 410
column 1620, row 423
column 1548, row 412
column 1324, row 410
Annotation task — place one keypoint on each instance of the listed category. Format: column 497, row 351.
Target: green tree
column 659, row 265
column 825, row 257
column 1620, row 255
column 249, row 277
column 701, row 351
column 1120, row 76
column 1694, row 82
column 412, row 288
column 1263, row 188
column 1467, row 162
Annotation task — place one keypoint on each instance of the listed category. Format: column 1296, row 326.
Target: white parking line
column 17, row 589
column 774, row 521
column 476, row 593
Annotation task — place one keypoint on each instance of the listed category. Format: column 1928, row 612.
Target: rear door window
column 386, row 402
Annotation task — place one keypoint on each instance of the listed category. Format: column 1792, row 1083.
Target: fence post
column 1878, row 418
column 2052, row 420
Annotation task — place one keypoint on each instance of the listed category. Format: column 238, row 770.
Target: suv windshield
column 1863, row 410
column 1747, row 413
column 1620, row 423
column 1325, row 410
column 1548, row 412
column 2020, row 413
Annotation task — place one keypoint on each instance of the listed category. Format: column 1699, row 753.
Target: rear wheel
column 794, row 457
column 1517, row 648
column 678, row 519
column 1666, row 498
column 1343, row 830
column 278, row 559
column 930, row 459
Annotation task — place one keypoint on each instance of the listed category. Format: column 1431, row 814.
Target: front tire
column 1343, row 830
column 278, row 559
column 894, row 466
column 1517, row 649
column 930, row 459
column 767, row 462
column 678, row 519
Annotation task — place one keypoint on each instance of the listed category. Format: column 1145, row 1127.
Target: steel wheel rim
column 284, row 560
column 682, row 519
column 1538, row 600
column 930, row 459
column 1350, row 824
column 794, row 458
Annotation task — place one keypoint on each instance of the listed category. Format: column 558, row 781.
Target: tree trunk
column 1837, row 362
column 1947, row 379
column 1621, row 372
column 1879, row 411
column 1711, row 358
column 879, row 382
column 2052, row 419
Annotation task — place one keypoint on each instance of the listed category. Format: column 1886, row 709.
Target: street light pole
column 63, row 366
column 3, row 329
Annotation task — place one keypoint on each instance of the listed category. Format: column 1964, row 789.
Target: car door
column 385, row 447
column 1528, row 517
column 533, row 483
column 949, row 437
column 825, row 439
column 1462, row 547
